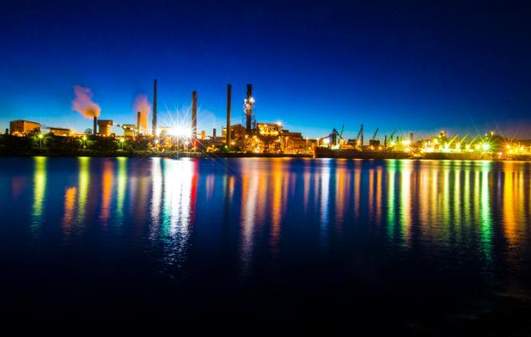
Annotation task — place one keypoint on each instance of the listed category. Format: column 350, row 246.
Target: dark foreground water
column 398, row 245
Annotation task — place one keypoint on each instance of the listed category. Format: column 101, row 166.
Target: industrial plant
column 254, row 138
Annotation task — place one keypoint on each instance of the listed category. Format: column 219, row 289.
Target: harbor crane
column 373, row 142
column 333, row 137
column 359, row 137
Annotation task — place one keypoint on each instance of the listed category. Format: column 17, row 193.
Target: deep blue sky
column 315, row 65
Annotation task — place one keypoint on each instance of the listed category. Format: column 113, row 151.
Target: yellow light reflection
column 83, row 183
column 378, row 194
column 106, row 191
column 342, row 194
column 509, row 211
column 39, row 190
column 357, row 189
column 70, row 203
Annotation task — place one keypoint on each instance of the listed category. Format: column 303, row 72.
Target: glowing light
column 180, row 131
column 485, row 147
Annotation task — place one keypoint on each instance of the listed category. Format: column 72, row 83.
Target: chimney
column 229, row 103
column 154, row 121
column 138, row 122
column 249, row 108
column 95, row 128
column 214, row 133
column 194, row 117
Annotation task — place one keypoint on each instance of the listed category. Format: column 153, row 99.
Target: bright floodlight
column 180, row 131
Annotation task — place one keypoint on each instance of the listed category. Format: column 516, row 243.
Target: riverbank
column 147, row 154
column 319, row 154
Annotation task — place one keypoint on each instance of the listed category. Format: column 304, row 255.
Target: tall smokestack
column 229, row 103
column 249, row 107
column 154, row 122
column 95, row 127
column 194, row 117
column 138, row 122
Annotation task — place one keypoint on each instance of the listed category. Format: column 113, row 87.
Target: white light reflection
column 179, row 181
column 156, row 195
column 325, row 193
column 248, row 217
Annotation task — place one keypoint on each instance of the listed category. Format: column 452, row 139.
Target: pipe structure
column 229, row 106
column 138, row 122
column 194, row 118
column 95, row 127
column 249, row 102
column 154, row 120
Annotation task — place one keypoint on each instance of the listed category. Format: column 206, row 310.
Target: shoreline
column 330, row 155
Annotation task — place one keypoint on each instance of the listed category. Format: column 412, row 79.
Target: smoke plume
column 83, row 103
column 143, row 107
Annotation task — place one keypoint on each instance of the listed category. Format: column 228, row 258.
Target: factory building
column 237, row 135
column 130, row 130
column 294, row 143
column 60, row 132
column 269, row 129
column 23, row 128
column 105, row 127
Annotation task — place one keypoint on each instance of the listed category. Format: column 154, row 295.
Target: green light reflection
column 39, row 190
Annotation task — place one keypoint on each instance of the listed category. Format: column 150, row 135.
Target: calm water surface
column 414, row 243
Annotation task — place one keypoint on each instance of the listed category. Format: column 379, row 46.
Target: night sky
column 397, row 65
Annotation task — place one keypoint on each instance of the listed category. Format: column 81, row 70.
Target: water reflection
column 106, row 191
column 83, row 183
column 121, row 188
column 70, row 203
column 156, row 195
column 179, row 193
column 264, row 206
column 39, row 190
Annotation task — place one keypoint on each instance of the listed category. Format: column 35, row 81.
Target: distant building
column 105, row 127
column 294, row 143
column 269, row 129
column 237, row 135
column 60, row 132
column 23, row 128
column 130, row 130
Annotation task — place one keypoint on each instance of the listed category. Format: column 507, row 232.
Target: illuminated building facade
column 105, row 127
column 23, row 128
column 60, row 132
column 130, row 130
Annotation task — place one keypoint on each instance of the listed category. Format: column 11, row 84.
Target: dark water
column 421, row 246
